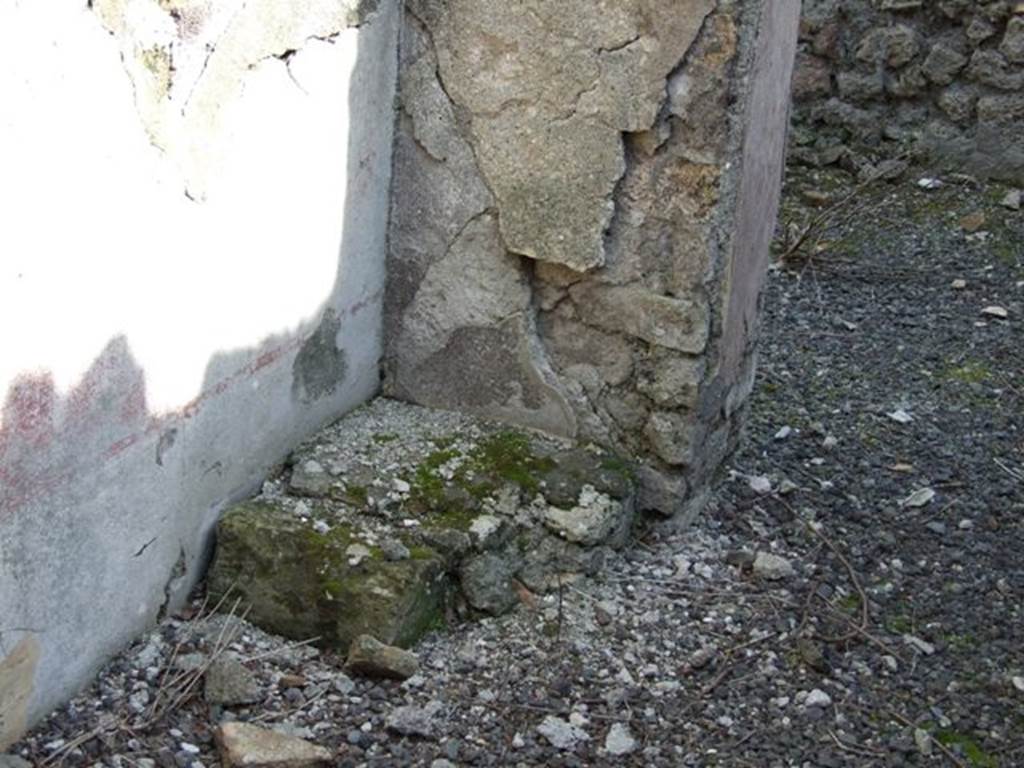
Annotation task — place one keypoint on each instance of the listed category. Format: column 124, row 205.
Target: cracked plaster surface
column 520, row 118
column 188, row 60
column 550, row 88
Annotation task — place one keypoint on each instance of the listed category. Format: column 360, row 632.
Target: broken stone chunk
column 310, row 478
column 484, row 528
column 817, row 698
column 679, row 324
column 670, row 436
column 301, row 583
column 1012, row 45
column 895, row 45
column 414, row 721
column 243, row 745
column 369, row 657
column 919, row 498
column 393, row 550
column 230, row 683
column 561, row 734
column 356, row 553
column 571, row 470
column 674, row 381
column 450, row 543
column 619, row 740
column 901, row 5
column 487, row 583
column 921, row 645
column 943, row 63
column 996, row 312
column 772, row 567
column 590, row 521
column 972, row 222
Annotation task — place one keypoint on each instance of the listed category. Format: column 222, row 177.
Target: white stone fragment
column 817, row 698
column 682, row 564
column 483, row 527
column 922, row 645
column 923, row 740
column 900, row 416
column 919, row 498
column 356, row 553
column 759, row 484
column 560, row 733
column 772, row 567
column 590, row 522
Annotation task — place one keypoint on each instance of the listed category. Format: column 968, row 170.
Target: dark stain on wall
column 319, row 366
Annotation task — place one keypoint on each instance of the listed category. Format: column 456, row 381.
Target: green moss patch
column 970, row 372
column 299, row 583
column 976, row 756
column 500, row 459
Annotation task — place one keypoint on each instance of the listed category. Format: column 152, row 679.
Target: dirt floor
column 854, row 595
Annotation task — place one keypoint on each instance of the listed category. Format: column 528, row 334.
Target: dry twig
column 1009, row 470
column 856, row 750
column 831, row 211
column 942, row 747
column 865, row 618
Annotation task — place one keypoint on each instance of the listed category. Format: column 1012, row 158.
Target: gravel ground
column 852, row 597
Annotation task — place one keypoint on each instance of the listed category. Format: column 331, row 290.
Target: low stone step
column 395, row 514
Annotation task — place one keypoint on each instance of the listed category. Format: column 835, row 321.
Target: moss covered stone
column 299, row 583
column 573, row 469
column 503, row 459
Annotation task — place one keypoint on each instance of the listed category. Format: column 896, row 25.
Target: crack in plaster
column 187, row 61
column 144, row 547
column 173, row 583
column 520, row 139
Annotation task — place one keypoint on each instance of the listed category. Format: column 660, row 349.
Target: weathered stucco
column 567, row 180
column 548, row 90
column 188, row 61
column 162, row 353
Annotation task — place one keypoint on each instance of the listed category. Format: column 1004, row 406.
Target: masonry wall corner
column 583, row 201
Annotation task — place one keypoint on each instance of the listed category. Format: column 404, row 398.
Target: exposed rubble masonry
column 580, row 193
column 876, row 79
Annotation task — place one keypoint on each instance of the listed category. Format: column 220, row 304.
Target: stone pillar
column 583, row 197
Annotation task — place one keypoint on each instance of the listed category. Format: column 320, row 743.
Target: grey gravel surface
column 851, row 597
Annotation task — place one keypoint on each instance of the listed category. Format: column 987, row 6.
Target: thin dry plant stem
column 830, row 212
column 942, row 747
